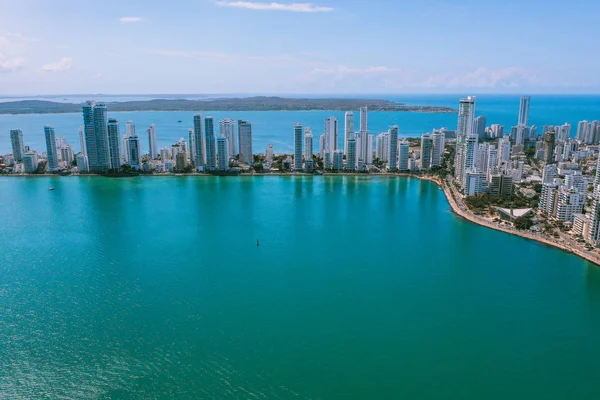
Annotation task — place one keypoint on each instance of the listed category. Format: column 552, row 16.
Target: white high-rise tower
column 348, row 129
column 152, row 146
column 331, row 134
column 524, row 111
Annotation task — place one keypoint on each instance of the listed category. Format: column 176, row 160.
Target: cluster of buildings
column 104, row 150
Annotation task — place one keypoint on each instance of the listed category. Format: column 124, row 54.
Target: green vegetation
column 481, row 203
column 259, row 103
column 523, row 223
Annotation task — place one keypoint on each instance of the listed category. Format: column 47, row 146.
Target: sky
column 322, row 47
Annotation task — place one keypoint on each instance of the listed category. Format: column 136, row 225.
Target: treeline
column 260, row 103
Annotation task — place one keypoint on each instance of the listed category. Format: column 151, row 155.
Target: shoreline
column 469, row 216
column 445, row 186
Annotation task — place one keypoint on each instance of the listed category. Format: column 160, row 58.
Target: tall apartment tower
column 152, row 146
column 245, row 141
column 524, row 110
column 348, row 129
column 308, row 144
column 403, row 153
column 363, row 118
column 18, row 148
column 210, row 145
column 222, row 153
column 134, row 151
column 351, row 158
column 549, row 143
column 393, row 149
column 114, row 137
column 198, row 143
column 438, row 142
column 51, row 148
column 227, row 130
column 426, row 150
column 95, row 125
column 331, row 134
column 298, row 147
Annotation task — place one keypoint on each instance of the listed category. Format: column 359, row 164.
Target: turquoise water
column 361, row 288
column 277, row 127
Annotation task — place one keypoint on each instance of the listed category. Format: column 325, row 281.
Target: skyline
column 404, row 48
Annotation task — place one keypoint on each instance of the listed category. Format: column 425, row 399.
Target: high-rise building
column 475, row 182
column 82, row 162
column 393, row 149
column 82, row 143
column 497, row 131
column 308, row 144
column 369, row 157
column 492, row 159
column 465, row 129
column 481, row 160
column 322, row 145
column 181, row 161
column 51, row 148
column 348, row 129
column 209, row 143
column 480, row 126
column 403, row 155
column 351, row 158
column 65, row 154
column 549, row 143
column 18, row 148
column 364, row 113
column 152, row 146
column 245, row 141
column 382, row 146
column 30, row 162
column 466, row 113
column 192, row 140
column 269, row 153
column 298, row 147
column 500, row 184
column 438, row 142
column 582, row 131
column 222, row 153
column 331, row 134
column 134, row 151
column 198, row 143
column 468, row 158
column 114, row 138
column 362, row 143
column 524, row 111
column 338, row 160
column 227, row 130
column 426, row 148
column 166, row 154
column 564, row 132
column 503, row 149
column 593, row 237
column 95, row 123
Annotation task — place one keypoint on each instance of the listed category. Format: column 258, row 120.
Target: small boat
column 50, row 188
column 179, row 121
column 257, row 243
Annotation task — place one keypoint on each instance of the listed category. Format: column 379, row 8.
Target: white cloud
column 387, row 78
column 131, row 19
column 294, row 7
column 11, row 64
column 64, row 64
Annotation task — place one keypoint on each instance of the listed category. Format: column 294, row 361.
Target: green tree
column 523, row 223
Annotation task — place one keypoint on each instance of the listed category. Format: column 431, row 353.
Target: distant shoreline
column 222, row 105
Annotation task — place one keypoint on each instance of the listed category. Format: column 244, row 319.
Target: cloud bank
column 293, row 7
column 64, row 64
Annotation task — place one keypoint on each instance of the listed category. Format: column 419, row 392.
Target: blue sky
column 326, row 46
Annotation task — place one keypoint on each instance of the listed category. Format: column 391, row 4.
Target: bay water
column 360, row 288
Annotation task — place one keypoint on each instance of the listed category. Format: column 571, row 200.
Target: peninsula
column 259, row 103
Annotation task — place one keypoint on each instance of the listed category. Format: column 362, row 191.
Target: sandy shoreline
column 463, row 212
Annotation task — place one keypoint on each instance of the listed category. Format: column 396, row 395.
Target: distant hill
column 260, row 103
